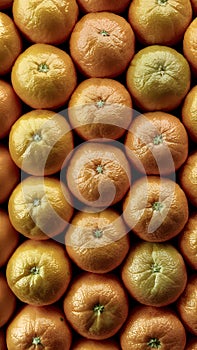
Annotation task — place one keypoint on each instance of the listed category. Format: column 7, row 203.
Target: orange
column 102, row 44
column 39, row 272
column 40, row 141
column 96, row 305
column 98, row 174
column 190, row 45
column 2, row 340
column 6, row 4
column 100, row 108
column 42, row 327
column 87, row 344
column 9, row 238
column 188, row 241
column 187, row 305
column 7, row 301
column 191, row 344
column 10, row 43
column 187, row 178
column 152, row 328
column 155, row 209
column 158, row 78
column 189, row 109
column 49, row 22
column 44, row 76
column 154, row 273
column 93, row 240
column 160, row 22
column 194, row 6
column 10, row 108
column 117, row 6
column 9, row 174
column 39, row 207
column 157, row 143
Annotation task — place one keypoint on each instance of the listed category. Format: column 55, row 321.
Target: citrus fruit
column 100, row 108
column 102, row 44
column 39, row 272
column 40, row 141
column 5, row 4
column 93, row 240
column 98, row 174
column 188, row 241
column 42, row 327
column 156, row 209
column 187, row 178
column 194, row 6
column 117, row 6
column 191, row 344
column 44, row 76
column 189, row 113
column 150, row 19
column 153, row 328
column 7, row 301
column 87, row 344
column 39, row 207
column 10, row 43
column 96, row 305
column 187, row 305
column 49, row 22
column 9, row 174
column 154, row 273
column 2, row 340
column 9, row 238
column 190, row 45
column 158, row 78
column 157, row 143
column 10, row 108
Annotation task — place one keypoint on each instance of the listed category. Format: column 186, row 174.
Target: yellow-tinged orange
column 154, row 273
column 44, row 76
column 190, row 45
column 49, row 22
column 40, row 207
column 39, row 327
column 39, row 272
column 40, row 141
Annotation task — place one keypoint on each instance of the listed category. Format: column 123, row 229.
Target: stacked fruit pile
column 98, row 174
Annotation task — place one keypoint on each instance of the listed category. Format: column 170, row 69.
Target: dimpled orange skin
column 93, row 240
column 41, row 327
column 39, row 272
column 100, row 108
column 188, row 241
column 96, row 305
column 87, row 344
column 149, row 20
column 150, row 327
column 49, row 22
column 190, row 45
column 157, row 141
column 97, row 40
column 116, row 6
column 187, row 305
column 189, row 112
column 10, row 43
column 7, row 301
column 187, row 178
column 155, row 210
column 98, row 174
column 154, row 273
column 9, row 237
column 44, row 76
column 9, row 174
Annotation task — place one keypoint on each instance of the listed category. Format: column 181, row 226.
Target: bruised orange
column 93, row 240
column 39, row 272
column 102, row 44
column 49, row 22
column 100, row 108
column 153, row 328
column 42, row 327
column 96, row 306
column 44, row 76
